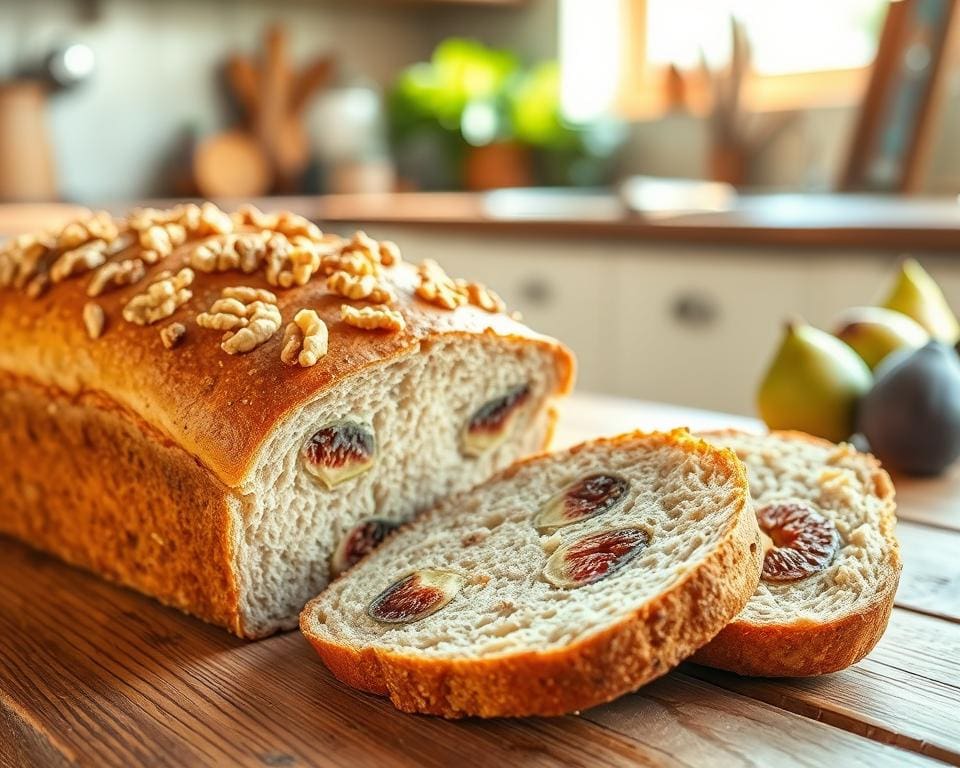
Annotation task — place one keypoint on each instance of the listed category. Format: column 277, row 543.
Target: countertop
column 783, row 220
column 95, row 675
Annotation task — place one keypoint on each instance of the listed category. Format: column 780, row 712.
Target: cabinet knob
column 695, row 310
column 535, row 291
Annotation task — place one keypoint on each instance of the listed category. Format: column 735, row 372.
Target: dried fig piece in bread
column 588, row 497
column 493, row 421
column 359, row 541
column 340, row 451
column 804, row 542
column 415, row 596
column 594, row 557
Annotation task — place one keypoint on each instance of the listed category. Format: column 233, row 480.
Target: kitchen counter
column 93, row 674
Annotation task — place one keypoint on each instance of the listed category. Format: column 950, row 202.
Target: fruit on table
column 813, row 384
column 917, row 295
column 912, row 416
column 875, row 332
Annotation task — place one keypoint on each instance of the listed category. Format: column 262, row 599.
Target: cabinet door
column 699, row 329
column 559, row 288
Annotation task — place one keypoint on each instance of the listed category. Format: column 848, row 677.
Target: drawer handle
column 695, row 310
column 536, row 291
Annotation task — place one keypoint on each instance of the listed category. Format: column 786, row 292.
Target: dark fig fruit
column 415, row 597
column 911, row 417
column 491, row 423
column 586, row 498
column 359, row 541
column 803, row 542
column 594, row 557
column 340, row 451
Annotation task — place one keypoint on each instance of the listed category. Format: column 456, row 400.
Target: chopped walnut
column 159, row 240
column 24, row 258
column 38, row 285
column 79, row 260
column 248, row 315
column 286, row 223
column 373, row 318
column 304, row 340
column 171, row 335
column 162, row 298
column 295, row 262
column 389, row 253
column 95, row 226
column 481, row 296
column 231, row 252
column 364, row 287
column 437, row 287
column 93, row 319
column 115, row 274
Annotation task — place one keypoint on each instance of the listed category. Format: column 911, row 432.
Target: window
column 617, row 55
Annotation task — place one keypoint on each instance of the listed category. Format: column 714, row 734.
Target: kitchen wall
column 156, row 81
column 157, row 65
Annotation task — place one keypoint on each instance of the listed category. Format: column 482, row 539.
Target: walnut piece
column 437, row 287
column 373, row 318
column 284, row 222
column 171, row 335
column 115, row 274
column 389, row 253
column 363, row 287
column 304, row 340
column 249, row 316
column 164, row 296
column 244, row 252
column 481, row 296
column 79, row 260
column 93, row 319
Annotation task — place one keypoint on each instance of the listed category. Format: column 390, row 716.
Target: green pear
column 875, row 332
column 813, row 384
column 917, row 295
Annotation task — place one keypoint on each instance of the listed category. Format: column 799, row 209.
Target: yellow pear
column 917, row 295
column 875, row 332
column 813, row 384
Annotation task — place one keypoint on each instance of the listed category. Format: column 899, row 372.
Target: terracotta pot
column 502, row 164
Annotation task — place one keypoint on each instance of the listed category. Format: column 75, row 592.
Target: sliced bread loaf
column 561, row 583
column 831, row 563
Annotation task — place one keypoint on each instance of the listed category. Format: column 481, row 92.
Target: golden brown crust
column 804, row 647
column 599, row 668
column 100, row 489
column 221, row 407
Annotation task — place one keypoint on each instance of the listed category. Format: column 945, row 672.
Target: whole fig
column 911, row 417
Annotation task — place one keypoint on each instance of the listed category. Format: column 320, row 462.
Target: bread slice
column 226, row 481
column 834, row 616
column 502, row 628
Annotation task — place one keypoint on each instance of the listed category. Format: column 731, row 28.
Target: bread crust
column 620, row 658
column 805, row 648
column 98, row 488
column 221, row 408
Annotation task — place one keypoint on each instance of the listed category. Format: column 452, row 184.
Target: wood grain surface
column 95, row 675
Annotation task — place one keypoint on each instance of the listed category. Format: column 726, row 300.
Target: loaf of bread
column 831, row 562
column 564, row 582
column 222, row 410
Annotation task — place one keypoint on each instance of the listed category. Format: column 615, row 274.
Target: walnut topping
column 437, row 287
column 162, row 298
column 171, row 335
column 286, row 223
column 243, row 252
column 93, row 319
column 248, row 315
column 159, row 240
column 115, row 274
column 389, row 253
column 363, row 287
column 294, row 262
column 373, row 318
column 96, row 226
column 304, row 340
column 23, row 258
column 79, row 260
column 481, row 296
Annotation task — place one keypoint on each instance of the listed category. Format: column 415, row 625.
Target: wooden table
column 95, row 675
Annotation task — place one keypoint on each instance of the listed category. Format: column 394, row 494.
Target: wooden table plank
column 934, row 501
column 906, row 692
column 930, row 582
column 98, row 675
column 714, row 729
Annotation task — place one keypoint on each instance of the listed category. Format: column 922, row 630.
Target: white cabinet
column 697, row 328
column 692, row 325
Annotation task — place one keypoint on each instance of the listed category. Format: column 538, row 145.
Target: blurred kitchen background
column 657, row 182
